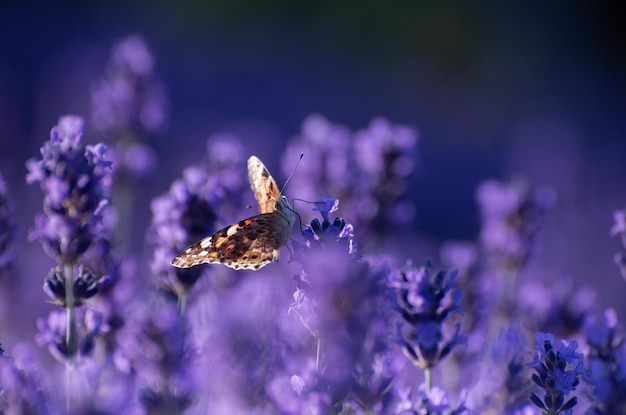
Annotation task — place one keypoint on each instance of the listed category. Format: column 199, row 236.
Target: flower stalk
column 70, row 336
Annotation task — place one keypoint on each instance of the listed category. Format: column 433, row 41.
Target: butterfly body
column 250, row 243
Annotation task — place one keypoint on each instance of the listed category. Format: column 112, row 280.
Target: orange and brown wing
column 249, row 244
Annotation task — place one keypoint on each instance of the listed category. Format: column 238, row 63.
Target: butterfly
column 250, row 243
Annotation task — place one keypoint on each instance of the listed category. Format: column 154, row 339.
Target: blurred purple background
column 495, row 90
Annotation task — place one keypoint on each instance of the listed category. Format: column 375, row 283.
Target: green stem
column 182, row 303
column 318, row 357
column 70, row 335
column 428, row 378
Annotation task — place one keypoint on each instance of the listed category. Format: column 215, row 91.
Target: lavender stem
column 70, row 336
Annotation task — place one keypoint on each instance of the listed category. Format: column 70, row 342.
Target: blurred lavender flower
column 22, row 384
column 607, row 365
column 341, row 300
column 461, row 256
column 367, row 170
column 193, row 208
column 179, row 218
column 501, row 384
column 430, row 401
column 98, row 388
column 152, row 347
column 558, row 307
column 511, row 215
column 424, row 301
column 384, row 158
column 76, row 184
column 129, row 104
column 558, row 373
column 8, row 230
column 129, row 107
column 619, row 229
column 226, row 157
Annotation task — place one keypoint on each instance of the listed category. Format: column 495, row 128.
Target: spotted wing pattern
column 250, row 243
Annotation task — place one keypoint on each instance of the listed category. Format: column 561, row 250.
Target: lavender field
column 456, row 177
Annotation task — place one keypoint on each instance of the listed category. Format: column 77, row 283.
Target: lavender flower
column 558, row 307
column 461, row 256
column 424, row 301
column 152, row 346
column 76, row 184
column 557, row 373
column 22, row 384
column 431, row 401
column 367, row 170
column 53, row 332
column 74, row 229
column 499, row 383
column 97, row 387
column 129, row 104
column 319, row 234
column 511, row 215
column 8, row 230
column 129, row 107
column 493, row 302
column 607, row 365
column 384, row 156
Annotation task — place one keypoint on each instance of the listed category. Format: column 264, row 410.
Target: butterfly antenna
column 293, row 203
column 292, row 172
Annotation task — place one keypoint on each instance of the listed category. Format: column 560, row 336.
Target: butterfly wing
column 263, row 185
column 249, row 244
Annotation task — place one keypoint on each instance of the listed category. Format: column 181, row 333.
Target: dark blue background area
column 494, row 89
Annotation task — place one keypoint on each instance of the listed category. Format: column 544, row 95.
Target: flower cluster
column 424, row 301
column 22, row 383
column 152, row 345
column 76, row 182
column 129, row 104
column 431, row 401
column 511, row 215
column 557, row 372
column 53, row 334
column 320, row 234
